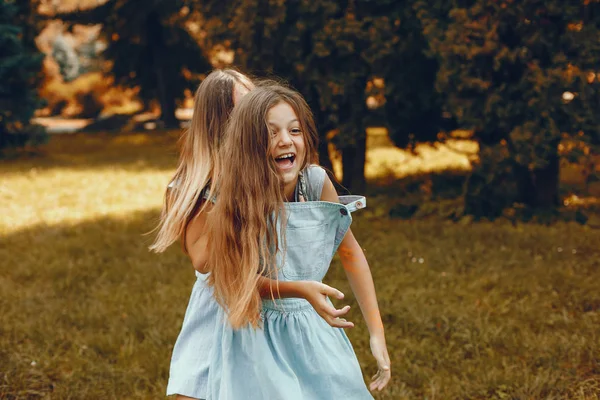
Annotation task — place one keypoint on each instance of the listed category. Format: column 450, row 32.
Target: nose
column 285, row 139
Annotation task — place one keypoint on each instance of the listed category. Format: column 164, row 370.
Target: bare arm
column 359, row 276
column 314, row 292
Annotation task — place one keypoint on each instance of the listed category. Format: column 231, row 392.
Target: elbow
column 353, row 260
column 348, row 254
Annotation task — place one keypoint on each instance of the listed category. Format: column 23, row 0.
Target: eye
column 295, row 131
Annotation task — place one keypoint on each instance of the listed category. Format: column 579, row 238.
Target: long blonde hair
column 243, row 237
column 213, row 103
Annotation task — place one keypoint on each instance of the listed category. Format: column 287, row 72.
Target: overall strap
column 353, row 202
column 206, row 195
column 310, row 186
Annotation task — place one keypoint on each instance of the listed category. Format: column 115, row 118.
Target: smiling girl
column 277, row 216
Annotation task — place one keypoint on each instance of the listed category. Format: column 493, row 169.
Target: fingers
column 340, row 323
column 328, row 312
column 384, row 373
column 380, row 379
column 333, row 313
column 332, row 292
column 374, row 385
column 338, row 313
column 332, row 316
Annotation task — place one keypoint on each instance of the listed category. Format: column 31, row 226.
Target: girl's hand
column 384, row 372
column 316, row 294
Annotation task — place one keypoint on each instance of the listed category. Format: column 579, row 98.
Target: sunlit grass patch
column 386, row 162
column 79, row 178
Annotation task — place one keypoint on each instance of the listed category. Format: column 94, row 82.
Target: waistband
column 286, row 305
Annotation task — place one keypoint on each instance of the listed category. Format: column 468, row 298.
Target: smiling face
column 287, row 145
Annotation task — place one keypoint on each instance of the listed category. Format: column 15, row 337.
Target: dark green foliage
column 29, row 21
column 325, row 49
column 20, row 66
column 331, row 51
column 504, row 66
column 150, row 46
column 347, row 50
column 413, row 107
column 403, row 211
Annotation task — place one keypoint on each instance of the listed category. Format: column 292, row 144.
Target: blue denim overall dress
column 295, row 354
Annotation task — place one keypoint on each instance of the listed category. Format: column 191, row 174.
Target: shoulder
column 315, row 171
column 315, row 179
column 328, row 192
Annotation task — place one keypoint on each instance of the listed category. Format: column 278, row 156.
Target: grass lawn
column 472, row 311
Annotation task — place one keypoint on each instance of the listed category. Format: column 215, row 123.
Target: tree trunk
column 322, row 123
column 543, row 192
column 166, row 98
column 525, row 185
column 538, row 188
column 324, row 159
column 322, row 130
column 167, row 108
column 353, row 165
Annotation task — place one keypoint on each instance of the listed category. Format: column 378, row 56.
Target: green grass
column 472, row 311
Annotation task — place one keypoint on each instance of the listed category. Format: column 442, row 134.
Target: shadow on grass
column 433, row 185
column 88, row 312
column 440, row 194
column 418, row 195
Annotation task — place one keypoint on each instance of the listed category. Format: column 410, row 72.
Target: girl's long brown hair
column 243, row 221
column 213, row 103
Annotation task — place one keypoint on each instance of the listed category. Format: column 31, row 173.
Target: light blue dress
column 295, row 355
column 188, row 375
column 190, row 359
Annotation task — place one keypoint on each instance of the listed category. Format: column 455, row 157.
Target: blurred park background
column 472, row 126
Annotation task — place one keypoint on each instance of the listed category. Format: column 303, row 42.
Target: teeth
column 288, row 155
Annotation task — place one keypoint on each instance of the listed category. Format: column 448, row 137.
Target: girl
column 214, row 100
column 271, row 198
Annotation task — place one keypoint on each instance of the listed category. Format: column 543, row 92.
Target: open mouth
column 286, row 160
